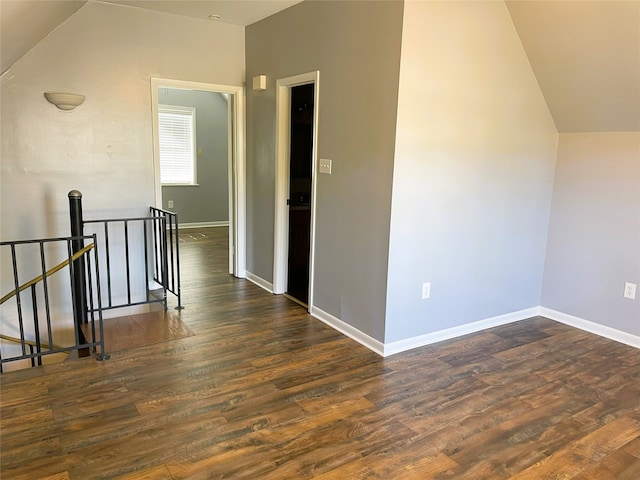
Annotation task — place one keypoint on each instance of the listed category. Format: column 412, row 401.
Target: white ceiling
column 585, row 54
column 236, row 12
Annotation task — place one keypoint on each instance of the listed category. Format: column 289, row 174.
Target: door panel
column 300, row 172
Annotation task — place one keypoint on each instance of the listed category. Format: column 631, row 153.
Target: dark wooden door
column 300, row 171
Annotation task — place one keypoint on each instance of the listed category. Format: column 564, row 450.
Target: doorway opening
column 296, row 146
column 220, row 183
column 300, row 175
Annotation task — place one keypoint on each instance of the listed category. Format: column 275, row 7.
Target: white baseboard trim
column 259, row 281
column 203, row 225
column 453, row 332
column 351, row 332
column 388, row 349
column 591, row 327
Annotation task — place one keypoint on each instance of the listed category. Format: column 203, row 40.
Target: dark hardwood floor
column 263, row 391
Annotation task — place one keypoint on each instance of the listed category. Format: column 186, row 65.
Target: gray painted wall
column 475, row 153
column 594, row 233
column 356, row 47
column 209, row 200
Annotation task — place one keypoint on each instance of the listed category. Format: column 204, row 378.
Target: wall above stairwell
column 104, row 147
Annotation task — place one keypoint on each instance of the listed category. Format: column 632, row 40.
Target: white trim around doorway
column 237, row 175
column 281, row 222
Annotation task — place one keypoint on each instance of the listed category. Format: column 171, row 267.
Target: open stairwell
column 124, row 266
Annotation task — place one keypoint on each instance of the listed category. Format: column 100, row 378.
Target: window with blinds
column 177, row 138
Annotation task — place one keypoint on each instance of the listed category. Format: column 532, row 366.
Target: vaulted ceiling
column 586, row 57
column 24, row 23
column 585, row 54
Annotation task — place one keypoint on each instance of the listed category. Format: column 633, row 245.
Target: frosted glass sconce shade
column 64, row 101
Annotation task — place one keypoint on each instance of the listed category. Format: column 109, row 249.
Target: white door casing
column 236, row 167
column 281, row 222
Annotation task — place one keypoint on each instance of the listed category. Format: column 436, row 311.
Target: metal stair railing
column 149, row 248
column 40, row 299
column 146, row 246
column 167, row 251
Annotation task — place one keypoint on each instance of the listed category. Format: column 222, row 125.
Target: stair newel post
column 79, row 269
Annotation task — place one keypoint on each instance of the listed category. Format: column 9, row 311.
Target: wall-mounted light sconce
column 260, row 82
column 64, row 101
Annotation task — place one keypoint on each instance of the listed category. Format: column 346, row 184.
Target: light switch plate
column 325, row 166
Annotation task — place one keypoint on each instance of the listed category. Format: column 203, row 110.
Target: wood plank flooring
column 131, row 331
column 263, row 391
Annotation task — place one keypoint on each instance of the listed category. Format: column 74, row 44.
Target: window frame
column 191, row 113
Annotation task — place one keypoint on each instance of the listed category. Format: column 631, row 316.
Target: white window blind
column 176, row 135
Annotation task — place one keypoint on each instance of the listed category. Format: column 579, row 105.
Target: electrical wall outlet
column 426, row 290
column 325, row 166
column 170, row 204
column 630, row 290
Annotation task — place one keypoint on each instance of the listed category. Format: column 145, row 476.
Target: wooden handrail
column 32, row 343
column 48, row 273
